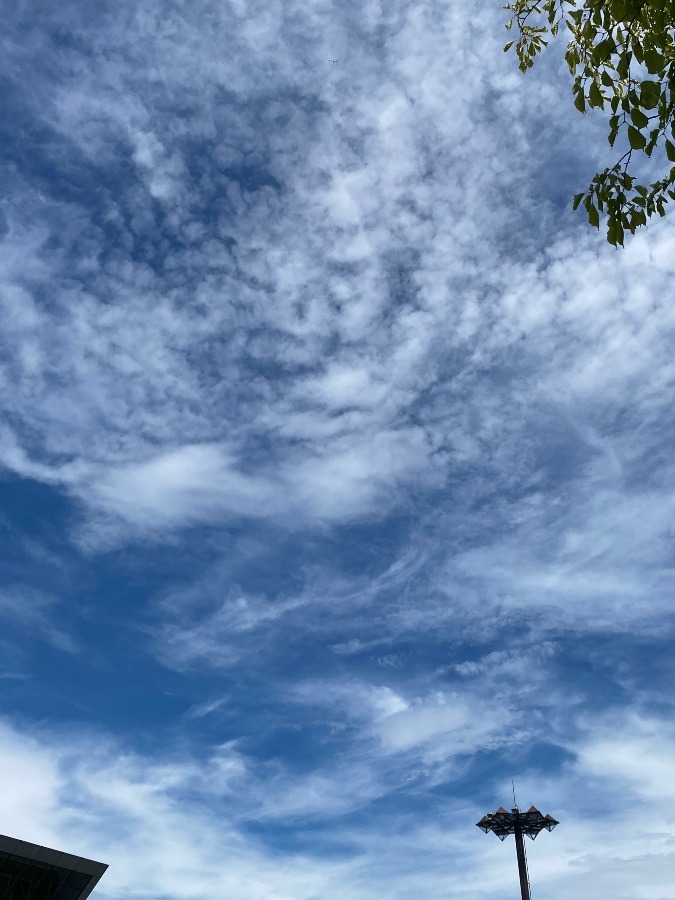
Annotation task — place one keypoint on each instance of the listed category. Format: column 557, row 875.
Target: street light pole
column 503, row 823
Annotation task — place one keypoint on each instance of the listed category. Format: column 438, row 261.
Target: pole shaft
column 522, row 866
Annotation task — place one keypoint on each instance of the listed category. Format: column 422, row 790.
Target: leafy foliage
column 622, row 58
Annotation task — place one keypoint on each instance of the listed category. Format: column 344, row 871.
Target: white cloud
column 267, row 290
column 364, row 188
column 178, row 827
column 447, row 726
column 191, row 483
column 636, row 751
column 83, row 797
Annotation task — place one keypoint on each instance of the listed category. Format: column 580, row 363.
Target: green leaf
column 603, row 50
column 640, row 120
column 615, row 231
column 595, row 97
column 654, row 61
column 636, row 139
column 577, row 200
column 580, row 102
column 623, row 65
column 593, row 217
column 619, row 10
column 508, row 46
column 650, row 91
column 670, row 150
column 638, row 50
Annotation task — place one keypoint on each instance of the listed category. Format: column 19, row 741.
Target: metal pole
column 522, row 865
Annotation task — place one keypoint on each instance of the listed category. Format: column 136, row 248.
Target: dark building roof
column 31, row 872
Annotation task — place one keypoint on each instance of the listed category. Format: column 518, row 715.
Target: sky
column 336, row 472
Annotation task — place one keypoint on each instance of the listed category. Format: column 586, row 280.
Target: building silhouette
column 31, row 872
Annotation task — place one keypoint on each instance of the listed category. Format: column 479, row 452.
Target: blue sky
column 336, row 481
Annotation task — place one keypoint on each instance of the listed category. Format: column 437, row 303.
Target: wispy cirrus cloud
column 132, row 809
column 361, row 445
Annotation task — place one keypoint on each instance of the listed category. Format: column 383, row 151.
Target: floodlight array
column 503, row 823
